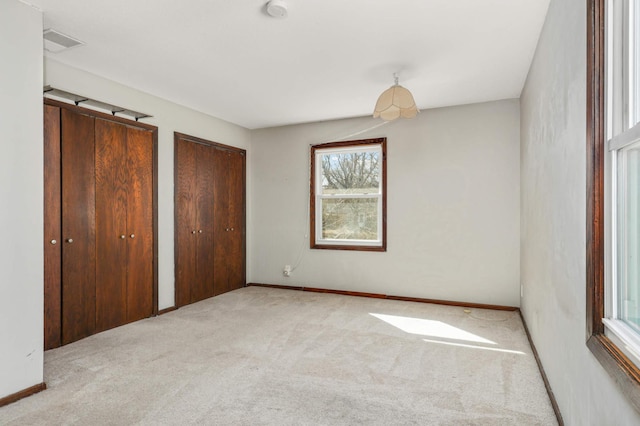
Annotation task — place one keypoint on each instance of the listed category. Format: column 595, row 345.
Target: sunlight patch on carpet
column 430, row 328
column 462, row 345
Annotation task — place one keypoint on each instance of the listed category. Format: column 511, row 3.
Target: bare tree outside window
column 350, row 173
column 348, row 195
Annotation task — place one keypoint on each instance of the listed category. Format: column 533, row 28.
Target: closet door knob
column 200, row 231
column 69, row 240
column 232, row 229
column 54, row 242
column 193, row 232
column 122, row 237
column 132, row 235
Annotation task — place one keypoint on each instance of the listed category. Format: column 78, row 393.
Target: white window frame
column 375, row 145
column 622, row 130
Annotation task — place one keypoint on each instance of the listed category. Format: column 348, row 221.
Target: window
column 621, row 156
column 348, row 195
column 613, row 189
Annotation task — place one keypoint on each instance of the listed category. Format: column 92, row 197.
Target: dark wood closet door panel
column 236, row 256
column 52, row 229
column 97, row 276
column 203, row 286
column 222, row 223
column 214, row 195
column 78, row 227
column 185, row 220
column 111, row 224
column 139, row 224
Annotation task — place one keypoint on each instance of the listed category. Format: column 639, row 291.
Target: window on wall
column 613, row 189
column 348, row 195
column 622, row 186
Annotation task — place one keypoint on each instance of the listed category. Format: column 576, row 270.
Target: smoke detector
column 55, row 41
column 277, row 8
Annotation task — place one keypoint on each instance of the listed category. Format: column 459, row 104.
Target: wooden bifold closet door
column 209, row 219
column 194, row 222
column 100, row 222
column 229, row 248
column 78, row 227
column 124, row 224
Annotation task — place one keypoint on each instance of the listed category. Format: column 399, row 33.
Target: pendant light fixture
column 395, row 102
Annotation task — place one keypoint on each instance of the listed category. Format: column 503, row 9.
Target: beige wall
column 21, row 190
column 453, row 207
column 553, row 206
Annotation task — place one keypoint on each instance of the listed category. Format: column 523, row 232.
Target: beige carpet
column 260, row 356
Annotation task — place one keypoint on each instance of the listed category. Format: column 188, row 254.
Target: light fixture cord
column 358, row 133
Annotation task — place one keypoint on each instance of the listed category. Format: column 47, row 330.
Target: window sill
column 625, row 338
column 624, row 372
column 382, row 248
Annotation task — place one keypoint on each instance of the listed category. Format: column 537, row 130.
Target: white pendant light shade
column 395, row 102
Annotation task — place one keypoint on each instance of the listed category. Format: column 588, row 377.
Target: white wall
column 21, row 192
column 168, row 117
column 553, row 208
column 453, row 207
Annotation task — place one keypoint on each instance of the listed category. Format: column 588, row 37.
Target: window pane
column 351, row 173
column 628, row 233
column 350, row 219
column 634, row 64
column 348, row 195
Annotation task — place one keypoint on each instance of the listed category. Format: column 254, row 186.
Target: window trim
column 358, row 246
column 611, row 357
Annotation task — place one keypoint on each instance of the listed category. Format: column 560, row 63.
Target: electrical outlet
column 286, row 271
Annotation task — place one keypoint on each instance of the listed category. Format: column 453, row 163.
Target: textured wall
column 453, row 207
column 21, row 189
column 553, row 221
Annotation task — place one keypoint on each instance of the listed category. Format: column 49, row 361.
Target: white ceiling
column 328, row 59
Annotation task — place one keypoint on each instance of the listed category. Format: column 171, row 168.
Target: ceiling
column 328, row 59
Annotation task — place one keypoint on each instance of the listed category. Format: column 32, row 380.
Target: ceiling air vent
column 55, row 41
